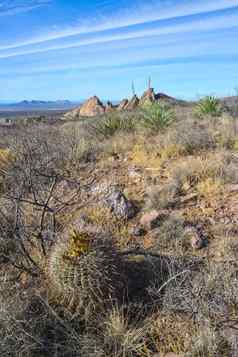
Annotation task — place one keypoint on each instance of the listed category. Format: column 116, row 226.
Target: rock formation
column 133, row 103
column 122, row 105
column 92, row 107
column 109, row 107
column 148, row 97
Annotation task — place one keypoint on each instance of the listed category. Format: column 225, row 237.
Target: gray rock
column 119, row 204
column 196, row 241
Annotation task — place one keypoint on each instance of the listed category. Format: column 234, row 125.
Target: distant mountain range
column 38, row 105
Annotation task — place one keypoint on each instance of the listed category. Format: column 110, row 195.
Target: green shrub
column 112, row 124
column 208, row 106
column 157, row 117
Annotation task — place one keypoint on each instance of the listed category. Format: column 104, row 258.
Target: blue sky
column 72, row 49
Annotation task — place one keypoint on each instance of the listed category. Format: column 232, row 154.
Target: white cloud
column 193, row 25
column 153, row 10
column 12, row 7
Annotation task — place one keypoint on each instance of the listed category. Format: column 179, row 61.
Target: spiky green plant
column 84, row 271
column 113, row 123
column 157, row 117
column 208, row 106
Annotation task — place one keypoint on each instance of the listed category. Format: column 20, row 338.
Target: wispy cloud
column 155, row 62
column 12, row 7
column 153, row 10
column 161, row 28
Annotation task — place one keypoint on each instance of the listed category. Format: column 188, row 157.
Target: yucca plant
column 113, row 123
column 157, row 117
column 208, row 106
column 84, row 271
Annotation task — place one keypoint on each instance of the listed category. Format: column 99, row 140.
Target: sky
column 73, row 49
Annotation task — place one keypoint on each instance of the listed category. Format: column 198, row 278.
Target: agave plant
column 208, row 106
column 157, row 117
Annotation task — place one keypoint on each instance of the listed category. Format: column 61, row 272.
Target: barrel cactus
column 83, row 271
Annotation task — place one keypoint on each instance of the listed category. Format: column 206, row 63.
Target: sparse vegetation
column 112, row 124
column 79, row 280
column 157, row 117
column 208, row 106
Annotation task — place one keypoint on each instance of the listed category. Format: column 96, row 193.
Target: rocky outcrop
column 148, row 97
column 109, row 107
column 133, row 103
column 122, row 105
column 92, row 107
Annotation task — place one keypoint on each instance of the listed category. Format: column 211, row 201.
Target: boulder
column 119, row 204
column 92, row 107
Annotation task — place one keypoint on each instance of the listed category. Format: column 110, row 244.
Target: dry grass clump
column 190, row 137
column 210, row 294
column 6, row 157
column 146, row 156
column 209, row 342
column 124, row 336
column 172, row 333
column 106, row 221
column 171, row 237
column 6, row 160
column 210, row 188
column 160, row 197
column 31, row 326
column 207, row 174
column 226, row 133
column 78, row 145
column 118, row 146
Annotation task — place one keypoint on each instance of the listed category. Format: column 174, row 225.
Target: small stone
column 195, row 240
column 152, row 219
